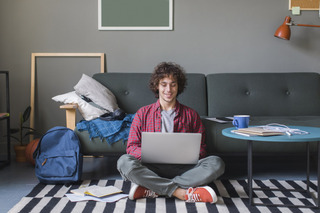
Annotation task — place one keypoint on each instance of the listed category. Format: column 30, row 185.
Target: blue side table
column 313, row 136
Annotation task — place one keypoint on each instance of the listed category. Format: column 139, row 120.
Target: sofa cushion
column 98, row 93
column 87, row 111
column 97, row 147
column 264, row 94
column 132, row 90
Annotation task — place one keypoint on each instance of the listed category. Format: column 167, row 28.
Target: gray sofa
column 286, row 98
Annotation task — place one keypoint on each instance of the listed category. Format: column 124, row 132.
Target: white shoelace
column 192, row 197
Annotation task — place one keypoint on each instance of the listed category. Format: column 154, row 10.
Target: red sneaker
column 137, row 192
column 201, row 194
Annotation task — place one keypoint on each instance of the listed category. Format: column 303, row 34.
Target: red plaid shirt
column 148, row 119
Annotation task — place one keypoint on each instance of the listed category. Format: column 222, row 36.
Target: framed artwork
column 135, row 14
column 305, row 4
column 34, row 57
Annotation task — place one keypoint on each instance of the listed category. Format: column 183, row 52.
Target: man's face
column 168, row 89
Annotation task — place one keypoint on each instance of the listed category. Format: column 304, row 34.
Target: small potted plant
column 20, row 133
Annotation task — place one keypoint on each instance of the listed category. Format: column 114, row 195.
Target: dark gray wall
column 208, row 37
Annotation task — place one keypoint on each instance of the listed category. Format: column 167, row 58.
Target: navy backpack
column 57, row 157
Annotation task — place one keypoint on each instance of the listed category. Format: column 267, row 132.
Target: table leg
column 308, row 166
column 318, row 174
column 250, row 170
column 315, row 199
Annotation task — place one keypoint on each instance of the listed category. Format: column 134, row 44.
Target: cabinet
column 5, row 116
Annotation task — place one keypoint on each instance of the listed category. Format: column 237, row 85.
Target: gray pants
column 164, row 179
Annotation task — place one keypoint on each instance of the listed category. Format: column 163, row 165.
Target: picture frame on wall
column 304, row 5
column 135, row 14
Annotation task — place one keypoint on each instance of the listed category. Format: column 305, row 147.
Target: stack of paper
column 97, row 193
column 257, row 131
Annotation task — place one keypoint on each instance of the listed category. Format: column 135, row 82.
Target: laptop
column 170, row 148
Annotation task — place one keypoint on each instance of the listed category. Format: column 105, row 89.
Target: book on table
column 4, row 114
column 257, row 131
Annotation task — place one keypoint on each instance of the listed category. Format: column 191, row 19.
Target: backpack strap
column 37, row 150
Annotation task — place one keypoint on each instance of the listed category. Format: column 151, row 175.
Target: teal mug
column 241, row 121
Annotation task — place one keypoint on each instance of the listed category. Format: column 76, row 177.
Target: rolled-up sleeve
column 134, row 140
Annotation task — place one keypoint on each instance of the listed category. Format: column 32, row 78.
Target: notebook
column 170, row 148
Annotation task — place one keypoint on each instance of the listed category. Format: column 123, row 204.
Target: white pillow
column 87, row 111
column 98, row 93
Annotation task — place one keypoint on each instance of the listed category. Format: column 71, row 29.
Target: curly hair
column 166, row 69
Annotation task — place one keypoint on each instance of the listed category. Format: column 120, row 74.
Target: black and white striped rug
column 233, row 197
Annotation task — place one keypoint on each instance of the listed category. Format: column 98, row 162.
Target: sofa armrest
column 70, row 115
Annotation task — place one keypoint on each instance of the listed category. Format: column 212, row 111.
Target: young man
column 168, row 115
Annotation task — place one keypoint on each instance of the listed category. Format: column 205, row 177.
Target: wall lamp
column 284, row 32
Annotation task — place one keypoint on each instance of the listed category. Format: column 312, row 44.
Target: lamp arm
column 302, row 25
column 307, row 25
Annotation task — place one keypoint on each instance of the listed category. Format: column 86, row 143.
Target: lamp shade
column 283, row 31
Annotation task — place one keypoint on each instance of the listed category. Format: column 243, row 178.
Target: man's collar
column 176, row 108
